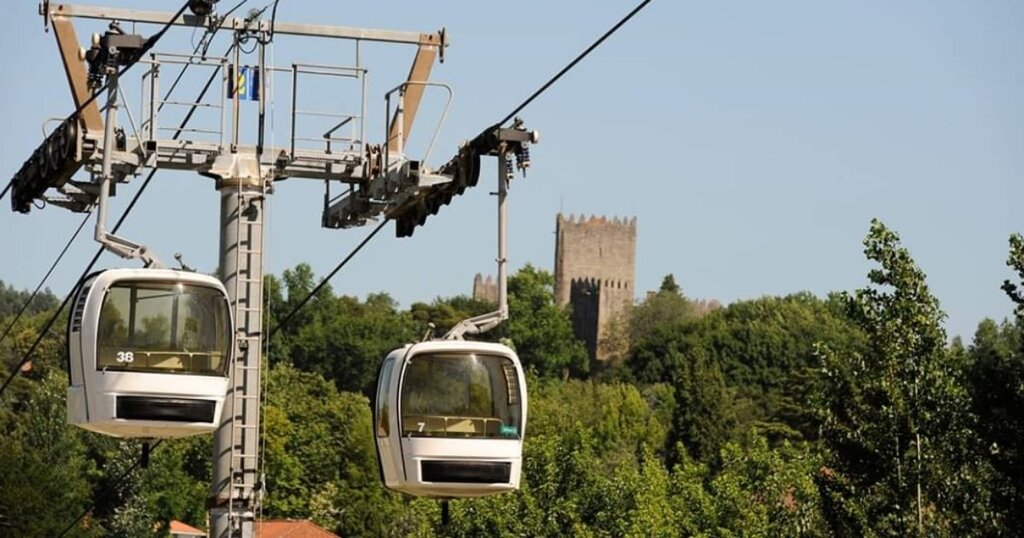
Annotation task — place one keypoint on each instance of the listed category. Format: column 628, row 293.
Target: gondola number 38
column 125, row 356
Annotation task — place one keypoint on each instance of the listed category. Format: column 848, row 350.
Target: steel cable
column 547, row 85
column 209, row 36
column 114, row 230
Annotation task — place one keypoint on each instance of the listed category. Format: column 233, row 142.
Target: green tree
column 320, row 458
column 766, row 492
column 666, row 308
column 764, row 349
column 896, row 416
column 12, row 301
column 1015, row 290
column 444, row 314
column 341, row 338
column 996, row 377
column 284, row 295
column 541, row 331
column 44, row 469
column 619, row 416
column 174, row 486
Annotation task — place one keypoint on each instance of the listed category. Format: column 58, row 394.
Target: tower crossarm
column 331, row 156
column 438, row 38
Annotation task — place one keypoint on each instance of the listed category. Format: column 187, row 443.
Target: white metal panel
column 400, row 457
column 93, row 393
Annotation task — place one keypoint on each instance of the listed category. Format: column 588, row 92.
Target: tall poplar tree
column 896, row 418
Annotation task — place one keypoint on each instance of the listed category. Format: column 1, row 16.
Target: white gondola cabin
column 450, row 418
column 149, row 352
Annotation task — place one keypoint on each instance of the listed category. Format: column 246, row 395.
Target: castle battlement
column 597, row 221
column 599, row 284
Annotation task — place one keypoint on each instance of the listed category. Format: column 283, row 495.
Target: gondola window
column 455, row 395
column 163, row 328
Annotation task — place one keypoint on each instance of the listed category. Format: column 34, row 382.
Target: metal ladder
column 245, row 486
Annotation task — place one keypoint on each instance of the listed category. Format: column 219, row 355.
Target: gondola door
column 383, row 415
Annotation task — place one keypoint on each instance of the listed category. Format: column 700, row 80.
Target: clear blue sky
column 754, row 141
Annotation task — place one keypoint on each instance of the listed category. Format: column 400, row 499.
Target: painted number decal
column 125, row 356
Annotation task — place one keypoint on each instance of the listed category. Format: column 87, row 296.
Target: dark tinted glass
column 461, row 395
column 163, row 327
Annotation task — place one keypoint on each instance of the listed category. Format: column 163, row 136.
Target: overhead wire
column 115, row 486
column 273, row 21
column 53, row 266
column 327, row 278
column 547, row 85
column 573, row 63
column 209, row 35
column 150, row 43
column 114, row 230
column 208, row 38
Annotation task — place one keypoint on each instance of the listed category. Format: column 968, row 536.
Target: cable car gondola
column 450, row 415
column 149, row 351
column 449, row 419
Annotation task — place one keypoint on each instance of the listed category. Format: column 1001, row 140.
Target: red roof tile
column 178, row 527
column 291, row 529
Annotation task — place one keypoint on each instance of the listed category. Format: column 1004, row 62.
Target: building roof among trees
column 302, row 528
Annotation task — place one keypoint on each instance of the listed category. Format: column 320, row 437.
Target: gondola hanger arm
column 506, row 145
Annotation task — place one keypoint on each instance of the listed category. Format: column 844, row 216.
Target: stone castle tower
column 595, row 266
column 485, row 289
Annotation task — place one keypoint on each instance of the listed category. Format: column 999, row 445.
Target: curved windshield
column 461, row 395
column 163, row 327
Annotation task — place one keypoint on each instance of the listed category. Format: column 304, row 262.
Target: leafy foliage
column 44, row 471
column 894, row 416
column 776, row 416
column 763, row 350
column 539, row 329
column 1016, row 262
column 341, row 338
column 320, row 458
column 12, row 301
column 996, row 383
column 438, row 317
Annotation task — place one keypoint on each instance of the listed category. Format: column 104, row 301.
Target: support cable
column 208, row 37
column 150, row 43
column 53, row 266
column 327, row 278
column 115, row 486
column 117, row 226
column 268, row 298
column 511, row 115
column 572, row 64
column 273, row 20
column 130, row 205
